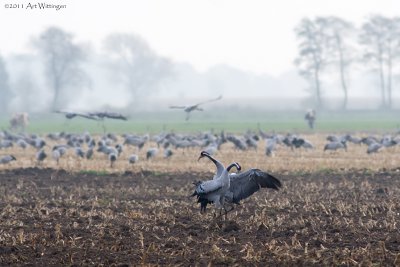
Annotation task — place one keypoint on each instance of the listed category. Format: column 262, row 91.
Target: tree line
column 332, row 45
column 128, row 59
column 327, row 47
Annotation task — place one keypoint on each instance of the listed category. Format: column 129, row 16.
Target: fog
column 124, row 72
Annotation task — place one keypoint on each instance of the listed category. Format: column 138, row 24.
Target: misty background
column 338, row 66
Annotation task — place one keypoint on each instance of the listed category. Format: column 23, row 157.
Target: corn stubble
column 339, row 208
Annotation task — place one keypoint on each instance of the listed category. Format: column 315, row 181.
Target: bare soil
column 52, row 217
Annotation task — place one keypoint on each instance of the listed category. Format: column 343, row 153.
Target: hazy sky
column 248, row 34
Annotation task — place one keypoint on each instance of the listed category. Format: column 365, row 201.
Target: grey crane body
column 168, row 153
column 369, row 140
column 293, row 141
column 22, row 143
column 109, row 115
column 112, row 157
column 135, row 141
column 212, row 148
column 270, row 146
column 56, row 155
column 79, row 152
column 214, row 191
column 239, row 143
column 310, row 118
column 243, row 185
column 307, row 144
column 335, row 146
column 62, row 149
column 119, row 148
column 251, row 142
column 40, row 155
column 7, row 159
column 151, row 153
column 89, row 153
column 374, row 148
column 6, row 144
column 133, row 158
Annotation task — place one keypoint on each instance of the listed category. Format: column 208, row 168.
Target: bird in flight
column 191, row 108
column 98, row 116
column 70, row 115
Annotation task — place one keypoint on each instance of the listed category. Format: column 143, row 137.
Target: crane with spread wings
column 191, row 108
column 92, row 115
column 70, row 115
column 97, row 116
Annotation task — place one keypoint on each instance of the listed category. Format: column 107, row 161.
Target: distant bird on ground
column 39, row 143
column 133, row 158
column 191, row 108
column 119, row 148
column 168, row 153
column 89, row 153
column 6, row 144
column 374, row 148
column 307, row 144
column 212, row 148
column 79, row 152
column 335, row 146
column 310, row 117
column 151, row 153
column 270, row 146
column 293, row 141
column 7, row 159
column 112, row 157
column 61, row 148
column 40, row 156
column 22, row 143
column 56, row 155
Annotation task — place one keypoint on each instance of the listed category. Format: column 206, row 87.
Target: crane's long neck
column 220, row 167
column 237, row 166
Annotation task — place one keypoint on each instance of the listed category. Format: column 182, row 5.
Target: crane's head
column 204, row 154
column 13, row 158
column 236, row 165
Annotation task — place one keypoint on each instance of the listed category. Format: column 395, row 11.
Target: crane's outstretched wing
column 245, row 184
column 180, row 107
column 71, row 115
column 110, row 115
column 208, row 101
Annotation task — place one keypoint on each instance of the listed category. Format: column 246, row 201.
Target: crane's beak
column 199, row 158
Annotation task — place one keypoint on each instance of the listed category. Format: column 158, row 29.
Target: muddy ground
column 51, row 217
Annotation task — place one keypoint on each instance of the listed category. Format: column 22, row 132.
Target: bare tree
column 311, row 60
column 5, row 90
column 138, row 67
column 27, row 90
column 380, row 37
column 63, row 61
column 337, row 32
